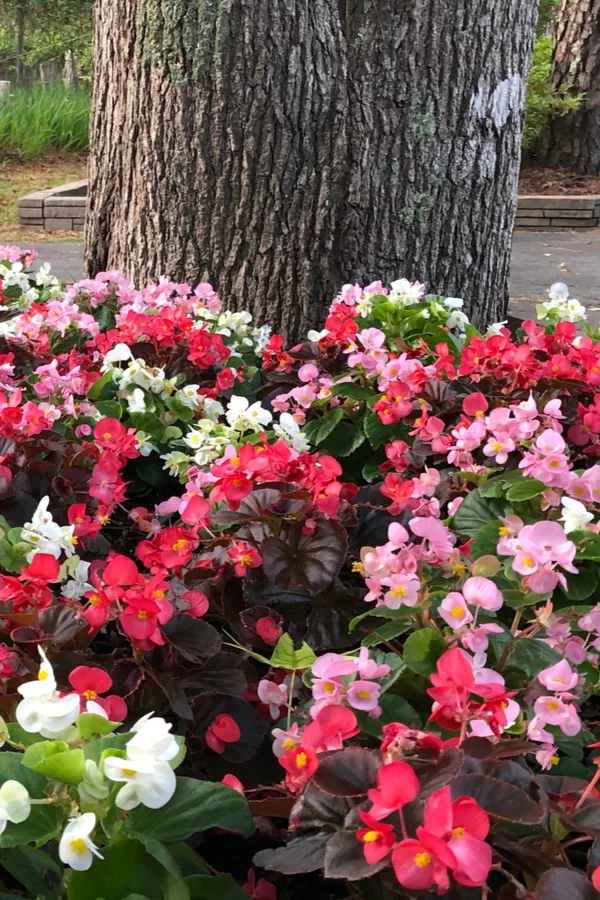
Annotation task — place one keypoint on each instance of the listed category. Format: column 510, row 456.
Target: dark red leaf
column 307, row 561
column 348, row 773
column 565, row 884
column 345, row 858
column 301, row 855
column 501, row 800
column 193, row 638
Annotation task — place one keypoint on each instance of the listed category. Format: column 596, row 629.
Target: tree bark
column 573, row 140
column 20, row 29
column 283, row 148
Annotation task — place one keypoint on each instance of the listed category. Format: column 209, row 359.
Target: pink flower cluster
column 554, row 709
column 537, row 550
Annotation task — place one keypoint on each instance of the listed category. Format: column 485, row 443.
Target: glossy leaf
column 476, row 511
column 285, row 656
column 306, row 561
column 564, row 884
column 348, row 773
column 193, row 638
column 503, row 801
column 300, row 855
column 422, row 650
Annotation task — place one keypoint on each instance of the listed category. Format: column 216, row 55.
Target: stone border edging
column 557, row 213
column 56, row 209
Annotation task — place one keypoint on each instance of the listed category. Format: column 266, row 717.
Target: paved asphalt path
column 538, row 260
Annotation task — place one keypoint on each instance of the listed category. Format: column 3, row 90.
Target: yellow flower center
column 143, row 615
column 42, row 675
column 457, row 611
column 78, row 846
column 527, row 561
column 129, row 772
column 422, row 859
column 179, row 545
column 497, row 446
column 458, row 833
column 370, row 837
column 398, row 591
column 358, row 567
column 503, row 532
column 107, row 435
column 301, row 760
column 288, row 744
column 553, row 706
column 554, row 760
column 159, row 595
column 363, row 695
column 90, row 695
column 329, row 687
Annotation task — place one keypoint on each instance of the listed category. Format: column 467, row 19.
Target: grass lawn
column 19, row 177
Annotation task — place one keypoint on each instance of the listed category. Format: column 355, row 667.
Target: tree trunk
column 573, row 140
column 20, row 29
column 283, row 148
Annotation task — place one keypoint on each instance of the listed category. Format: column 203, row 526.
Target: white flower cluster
column 559, row 307
column 46, row 536
column 145, row 772
column 236, row 327
column 42, row 709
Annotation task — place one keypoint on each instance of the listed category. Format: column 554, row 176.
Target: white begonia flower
column 574, row 515
column 136, row 402
column 212, row 409
column 152, row 737
column 242, row 416
column 189, row 396
column 495, row 329
column 42, row 710
column 316, row 336
column 78, row 584
column 43, row 277
column 76, row 848
column 405, row 292
column 454, row 302
column 575, row 311
column 119, row 353
column 288, row 429
column 45, row 682
column 148, row 781
column 457, row 319
column 46, row 536
column 144, row 444
column 15, row 804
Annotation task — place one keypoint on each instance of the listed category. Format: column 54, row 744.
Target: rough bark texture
column 283, row 148
column 574, row 140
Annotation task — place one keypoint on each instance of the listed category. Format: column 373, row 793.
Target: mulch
column 557, row 182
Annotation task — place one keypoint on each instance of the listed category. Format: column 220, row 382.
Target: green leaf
column 531, row 656
column 422, row 650
column 89, row 725
column 580, row 586
column 378, row 433
column 195, row 806
column 587, row 543
column 486, row 540
column 126, row 868
column 525, row 490
column 34, row 869
column 111, row 409
column 148, row 423
column 285, row 656
column 343, row 440
column 386, row 632
column 96, row 389
column 95, row 749
column 41, row 750
column 214, row 887
column 19, row 736
column 44, row 822
column 381, row 612
column 517, row 599
column 317, row 429
column 371, row 471
column 67, row 766
column 475, row 512
column 352, row 390
column 494, row 487
column 394, row 709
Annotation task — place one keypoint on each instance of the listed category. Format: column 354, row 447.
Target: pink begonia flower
column 364, row 695
column 575, row 650
column 480, row 728
column 454, row 611
column 440, row 539
column 397, row 534
column 168, row 507
column 273, row 696
column 480, row 591
column 332, row 665
column 526, row 409
column 547, row 756
column 403, row 591
column 550, row 443
column 559, row 677
column 307, row 372
column 368, row 668
column 552, row 409
column 591, row 620
column 304, row 396
column 286, row 739
column 554, row 711
column 477, row 640
column 454, row 505
column 371, row 338
column 499, row 446
column 536, row 731
column 329, row 689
